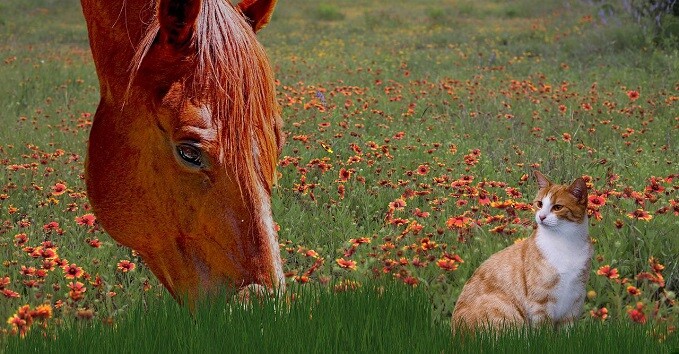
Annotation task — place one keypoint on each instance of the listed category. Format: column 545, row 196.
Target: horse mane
column 232, row 74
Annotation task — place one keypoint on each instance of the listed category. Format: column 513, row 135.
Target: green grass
column 371, row 319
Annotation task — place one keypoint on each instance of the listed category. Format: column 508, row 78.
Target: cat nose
column 542, row 217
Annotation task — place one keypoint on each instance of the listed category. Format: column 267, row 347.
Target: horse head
column 184, row 143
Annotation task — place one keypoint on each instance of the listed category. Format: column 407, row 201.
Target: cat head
column 560, row 205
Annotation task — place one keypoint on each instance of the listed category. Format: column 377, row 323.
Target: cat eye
column 557, row 207
column 538, row 204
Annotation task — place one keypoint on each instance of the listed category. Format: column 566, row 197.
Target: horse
column 185, row 140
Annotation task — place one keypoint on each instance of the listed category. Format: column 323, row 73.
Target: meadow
column 412, row 131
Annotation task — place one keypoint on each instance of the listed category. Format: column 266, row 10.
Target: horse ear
column 542, row 180
column 257, row 12
column 177, row 20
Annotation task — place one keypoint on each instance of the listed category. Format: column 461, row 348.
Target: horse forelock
column 232, row 75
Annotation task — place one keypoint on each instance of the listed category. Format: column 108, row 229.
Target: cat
column 540, row 280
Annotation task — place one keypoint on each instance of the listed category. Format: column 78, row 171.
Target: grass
column 386, row 318
column 434, row 105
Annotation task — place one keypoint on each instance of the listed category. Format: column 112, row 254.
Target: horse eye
column 557, row 207
column 190, row 154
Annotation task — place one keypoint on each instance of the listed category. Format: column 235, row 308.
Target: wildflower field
column 413, row 128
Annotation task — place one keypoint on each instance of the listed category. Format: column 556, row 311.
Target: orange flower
column 20, row 239
column 655, row 264
column 447, row 264
column 42, row 311
column 346, row 264
column 21, row 321
column 640, row 214
column 608, row 272
column 422, row 170
column 76, row 291
column 311, row 253
column 567, row 137
column 126, row 266
column 397, row 204
column 421, row 214
column 458, row 222
column 634, row 291
column 502, row 204
column 601, row 313
column 360, row 240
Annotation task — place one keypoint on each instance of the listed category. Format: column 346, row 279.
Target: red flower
column 410, row 280
column 344, row 174
column 58, row 189
column 341, row 190
column 50, row 226
column 126, row 266
column 72, row 271
column 20, row 239
column 9, row 293
column 596, row 201
column 422, row 170
column 87, row 219
column 94, row 243
column 633, row 95
column 637, row 314
column 640, row 214
column 397, row 204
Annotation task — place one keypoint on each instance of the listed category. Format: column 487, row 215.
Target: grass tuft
column 381, row 318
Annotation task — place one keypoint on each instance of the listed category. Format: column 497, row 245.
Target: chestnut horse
column 183, row 147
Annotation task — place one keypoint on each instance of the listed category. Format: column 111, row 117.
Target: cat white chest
column 569, row 252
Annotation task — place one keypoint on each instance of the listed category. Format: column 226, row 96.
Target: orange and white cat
column 540, row 280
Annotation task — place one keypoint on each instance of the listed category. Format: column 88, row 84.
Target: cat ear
column 542, row 180
column 578, row 189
